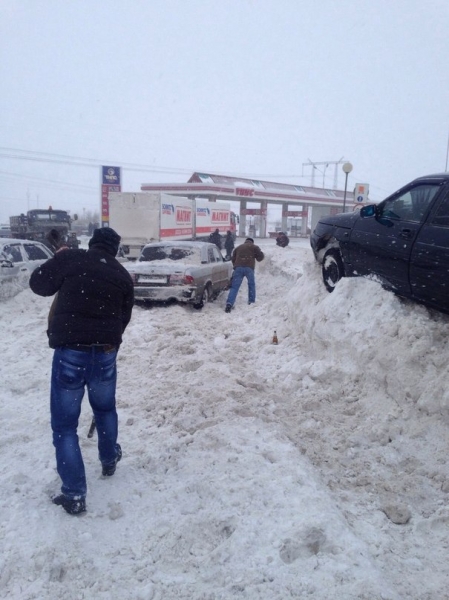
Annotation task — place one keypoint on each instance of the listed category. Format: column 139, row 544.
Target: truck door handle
column 406, row 233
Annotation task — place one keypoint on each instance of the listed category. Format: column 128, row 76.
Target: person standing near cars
column 215, row 238
column 229, row 244
column 95, row 296
column 244, row 260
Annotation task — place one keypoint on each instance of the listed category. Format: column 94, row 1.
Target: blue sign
column 110, row 175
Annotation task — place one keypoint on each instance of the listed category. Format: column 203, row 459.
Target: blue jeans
column 72, row 371
column 237, row 278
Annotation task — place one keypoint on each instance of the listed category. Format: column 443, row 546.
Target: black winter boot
column 73, row 507
column 109, row 470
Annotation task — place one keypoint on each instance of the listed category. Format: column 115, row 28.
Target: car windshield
column 171, row 253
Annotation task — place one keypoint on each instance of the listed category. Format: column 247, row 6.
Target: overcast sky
column 239, row 87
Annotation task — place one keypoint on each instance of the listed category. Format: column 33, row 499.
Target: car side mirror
column 6, row 263
column 368, row 211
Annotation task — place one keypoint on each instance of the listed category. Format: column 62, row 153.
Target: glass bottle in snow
column 275, row 338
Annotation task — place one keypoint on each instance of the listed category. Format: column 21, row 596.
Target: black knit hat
column 249, row 240
column 106, row 239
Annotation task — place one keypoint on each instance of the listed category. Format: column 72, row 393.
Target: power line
column 80, row 186
column 80, row 161
column 35, row 156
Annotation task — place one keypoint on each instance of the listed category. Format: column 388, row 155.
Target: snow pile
column 314, row 468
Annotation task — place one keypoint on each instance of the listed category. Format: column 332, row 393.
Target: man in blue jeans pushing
column 93, row 306
column 244, row 260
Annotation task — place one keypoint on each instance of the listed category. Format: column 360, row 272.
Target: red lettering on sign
column 183, row 215
column 219, row 216
column 244, row 192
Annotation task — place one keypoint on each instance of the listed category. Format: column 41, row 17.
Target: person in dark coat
column 244, row 260
column 95, row 296
column 215, row 238
column 282, row 239
column 229, row 244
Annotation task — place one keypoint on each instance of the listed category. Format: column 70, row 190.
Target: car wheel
column 205, row 298
column 332, row 269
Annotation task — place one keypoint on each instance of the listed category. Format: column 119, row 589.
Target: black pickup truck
column 403, row 240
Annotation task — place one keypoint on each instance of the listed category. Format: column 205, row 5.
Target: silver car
column 9, row 276
column 26, row 254
column 188, row 272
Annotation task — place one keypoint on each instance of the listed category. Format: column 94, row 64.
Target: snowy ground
column 316, row 468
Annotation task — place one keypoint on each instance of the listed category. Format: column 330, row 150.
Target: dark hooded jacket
column 215, row 238
column 282, row 240
column 95, row 296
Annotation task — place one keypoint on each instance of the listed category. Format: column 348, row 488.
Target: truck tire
column 332, row 269
column 205, row 297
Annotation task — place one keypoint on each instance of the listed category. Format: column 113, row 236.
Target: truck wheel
column 332, row 269
column 205, row 298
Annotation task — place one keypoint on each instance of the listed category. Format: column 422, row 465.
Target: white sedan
column 18, row 259
column 187, row 272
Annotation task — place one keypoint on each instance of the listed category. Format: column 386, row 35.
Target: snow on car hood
column 342, row 219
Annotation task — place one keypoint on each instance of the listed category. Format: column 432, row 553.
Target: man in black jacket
column 95, row 296
column 215, row 238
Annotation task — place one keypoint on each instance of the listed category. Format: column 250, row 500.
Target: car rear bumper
column 164, row 294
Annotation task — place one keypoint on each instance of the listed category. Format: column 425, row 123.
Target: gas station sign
column 361, row 192
column 110, row 182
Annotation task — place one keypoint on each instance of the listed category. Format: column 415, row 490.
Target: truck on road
column 144, row 217
column 37, row 223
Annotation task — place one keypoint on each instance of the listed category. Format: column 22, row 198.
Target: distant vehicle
column 19, row 258
column 404, row 241
column 5, row 231
column 181, row 271
column 38, row 222
column 144, row 217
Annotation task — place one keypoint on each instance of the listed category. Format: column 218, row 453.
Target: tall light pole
column 347, row 168
column 447, row 151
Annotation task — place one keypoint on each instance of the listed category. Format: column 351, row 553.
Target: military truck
column 36, row 224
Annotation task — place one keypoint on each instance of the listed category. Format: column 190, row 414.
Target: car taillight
column 181, row 279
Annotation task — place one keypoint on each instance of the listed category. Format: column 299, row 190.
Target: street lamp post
column 347, row 168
